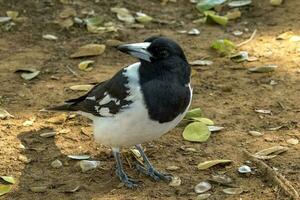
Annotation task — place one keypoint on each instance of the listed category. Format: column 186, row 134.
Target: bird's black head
column 154, row 49
column 160, row 55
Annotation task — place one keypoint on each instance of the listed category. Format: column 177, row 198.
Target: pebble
column 175, row 182
column 292, row 141
column 38, row 189
column 87, row 165
column 24, row 159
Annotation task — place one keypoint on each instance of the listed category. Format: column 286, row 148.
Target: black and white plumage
column 141, row 102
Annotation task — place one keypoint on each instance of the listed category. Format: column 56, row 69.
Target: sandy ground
column 225, row 91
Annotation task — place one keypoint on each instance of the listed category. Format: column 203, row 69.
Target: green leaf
column 210, row 163
column 5, row 189
column 196, row 132
column 196, row 112
column 223, row 46
column 8, row 179
column 204, row 120
column 94, row 21
column 204, row 5
column 211, row 17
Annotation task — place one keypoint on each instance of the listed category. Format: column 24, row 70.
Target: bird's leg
column 150, row 170
column 128, row 182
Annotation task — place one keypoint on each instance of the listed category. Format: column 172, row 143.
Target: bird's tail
column 65, row 107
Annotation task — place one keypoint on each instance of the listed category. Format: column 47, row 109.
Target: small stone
column 24, row 159
column 175, row 182
column 56, row 164
column 237, row 33
column 292, row 141
column 190, row 149
column 194, row 31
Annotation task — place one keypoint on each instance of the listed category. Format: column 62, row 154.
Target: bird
column 140, row 103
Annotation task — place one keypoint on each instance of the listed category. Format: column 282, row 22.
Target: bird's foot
column 153, row 173
column 128, row 182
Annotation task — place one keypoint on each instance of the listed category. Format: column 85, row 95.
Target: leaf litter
column 196, row 132
column 270, row 153
column 89, row 50
column 211, row 163
column 4, row 114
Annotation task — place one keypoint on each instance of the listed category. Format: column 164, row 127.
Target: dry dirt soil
column 225, row 91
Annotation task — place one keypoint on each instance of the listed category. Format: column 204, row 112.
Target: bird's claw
column 128, row 182
column 153, row 173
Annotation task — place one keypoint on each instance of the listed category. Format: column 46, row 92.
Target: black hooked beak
column 138, row 50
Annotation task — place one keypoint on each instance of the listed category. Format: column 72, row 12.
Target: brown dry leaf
column 234, row 14
column 269, row 153
column 89, row 50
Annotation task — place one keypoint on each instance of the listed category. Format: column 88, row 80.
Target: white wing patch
column 105, row 112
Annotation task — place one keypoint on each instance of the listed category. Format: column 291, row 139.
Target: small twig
column 251, row 38
column 275, row 176
column 72, row 71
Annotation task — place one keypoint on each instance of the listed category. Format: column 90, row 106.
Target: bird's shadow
column 55, row 183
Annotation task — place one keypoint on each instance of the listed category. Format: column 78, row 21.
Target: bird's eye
column 163, row 53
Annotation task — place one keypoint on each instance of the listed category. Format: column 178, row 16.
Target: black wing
column 109, row 96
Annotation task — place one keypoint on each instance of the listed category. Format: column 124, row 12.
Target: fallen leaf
column 72, row 190
column 5, row 189
column 79, row 157
column 87, row 165
column 212, row 17
column 67, row 12
column 233, row 191
column 201, row 62
column 39, row 189
column 193, row 31
column 4, row 19
column 263, row 111
column 215, row 128
column 81, row 87
column 204, row 120
column 48, row 134
column 50, row 37
column 256, row 133
column 4, row 114
column 244, row 169
column 66, row 23
column 203, row 196
column 94, row 23
column 221, row 179
column 285, row 36
column 58, row 119
column 196, row 112
column 85, row 65
column 28, row 73
column 240, row 56
column 210, row 163
column 137, row 155
column 196, row 132
column 292, row 141
column 113, row 42
column 175, row 182
column 239, row 3
column 8, row 179
column 263, row 69
column 223, row 46
column 276, row 2
column 143, row 18
column 172, row 168
column 204, row 5
column 123, row 14
column 270, row 152
column 202, row 187
column 89, row 50
column 12, row 14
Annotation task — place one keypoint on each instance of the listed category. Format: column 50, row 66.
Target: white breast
column 132, row 125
